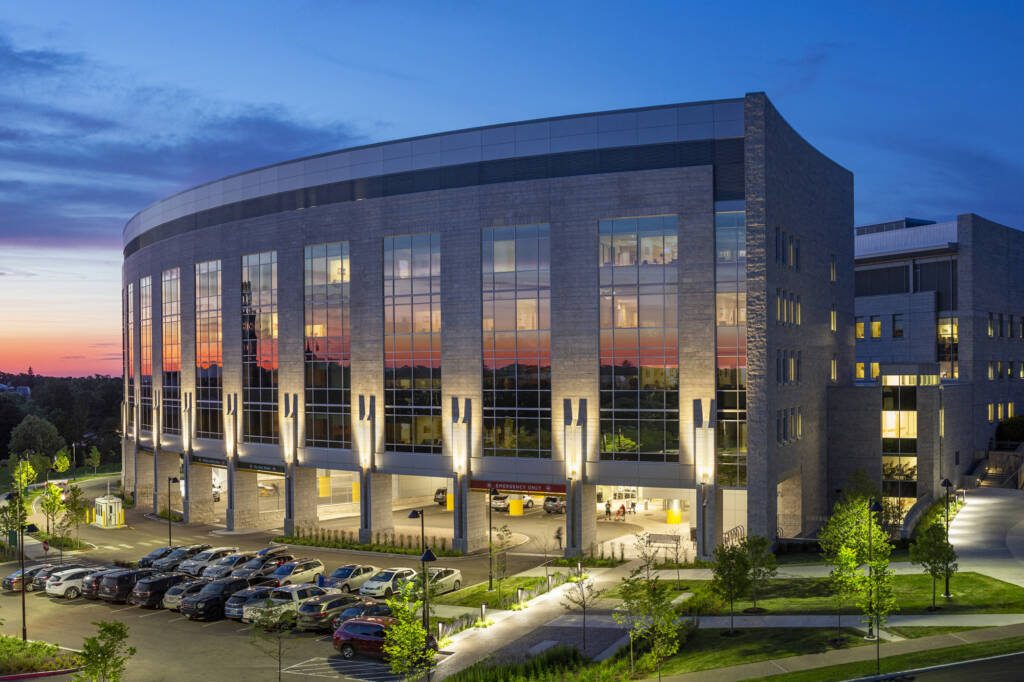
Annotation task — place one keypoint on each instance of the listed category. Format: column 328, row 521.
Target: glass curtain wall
column 639, row 338
column 327, row 347
column 412, row 343
column 170, row 357
column 899, row 441
column 209, row 377
column 947, row 347
column 146, row 354
column 517, row 341
column 731, row 347
column 259, row 348
column 129, row 353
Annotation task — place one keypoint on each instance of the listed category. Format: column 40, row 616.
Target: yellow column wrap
column 673, row 516
column 449, row 504
column 355, row 490
column 515, row 507
column 323, row 486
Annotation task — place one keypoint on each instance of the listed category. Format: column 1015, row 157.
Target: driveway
column 988, row 534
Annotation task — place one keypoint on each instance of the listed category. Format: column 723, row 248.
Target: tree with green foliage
column 76, row 508
column 41, row 464
column 933, row 552
column 634, row 613
column 877, row 595
column 61, row 462
column 730, row 576
column 406, row 644
column 581, row 594
column 105, row 656
column 270, row 632
column 843, row 580
column 13, row 516
column 663, row 629
column 37, row 435
column 763, row 566
column 23, row 474
column 92, row 459
column 51, row 503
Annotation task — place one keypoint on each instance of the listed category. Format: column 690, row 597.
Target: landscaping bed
column 478, row 594
column 17, row 656
column 338, row 541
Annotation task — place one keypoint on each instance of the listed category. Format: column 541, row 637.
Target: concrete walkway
column 988, row 534
column 798, row 621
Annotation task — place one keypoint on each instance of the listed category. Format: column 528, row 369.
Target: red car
column 366, row 636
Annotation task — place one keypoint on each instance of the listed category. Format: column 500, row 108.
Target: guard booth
column 108, row 512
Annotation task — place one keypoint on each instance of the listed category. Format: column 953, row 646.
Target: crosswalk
column 140, row 543
column 357, row 669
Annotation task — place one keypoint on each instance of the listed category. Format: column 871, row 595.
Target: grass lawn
column 915, row 631
column 814, row 558
column 478, row 594
column 686, row 585
column 920, row 659
column 972, row 593
column 708, row 649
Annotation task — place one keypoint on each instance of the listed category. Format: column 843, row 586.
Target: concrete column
column 168, row 464
column 374, row 506
column 709, row 519
column 470, row 517
column 143, row 478
column 305, row 494
column 127, row 465
column 199, row 507
column 580, row 518
column 244, row 510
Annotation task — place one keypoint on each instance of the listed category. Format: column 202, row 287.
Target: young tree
column 75, row 508
column 270, row 633
column 502, row 539
column 877, row 599
column 61, row 463
column 51, row 503
column 35, row 434
column 646, row 553
column 582, row 595
column 23, row 474
column 844, row 583
column 677, row 551
column 92, row 459
column 406, row 644
column 663, row 629
column 105, row 656
column 636, row 595
column 934, row 554
column 730, row 576
column 762, row 564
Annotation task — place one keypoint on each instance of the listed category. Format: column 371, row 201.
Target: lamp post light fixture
column 947, row 485
column 490, row 538
column 171, row 480
column 427, row 557
column 873, row 508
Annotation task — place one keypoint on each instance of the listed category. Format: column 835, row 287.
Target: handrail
column 734, row 535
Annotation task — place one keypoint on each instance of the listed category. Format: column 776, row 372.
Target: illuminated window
column 517, row 336
column 991, row 325
column 639, row 332
column 876, row 326
column 328, row 335
column 170, row 316
column 874, row 370
column 832, row 269
column 799, row 312
column 129, row 352
column 731, row 349
column 791, row 363
column 991, row 371
column 859, row 327
column 799, row 423
column 412, row 342
column 833, row 371
column 858, row 369
column 146, row 354
column 991, row 412
column 209, row 363
column 999, row 411
column 833, row 320
column 778, row 305
column 899, row 440
column 259, row 348
column 1010, row 411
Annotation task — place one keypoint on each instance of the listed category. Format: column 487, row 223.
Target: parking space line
column 124, row 609
column 177, row 619
column 211, row 624
column 147, row 615
column 243, row 629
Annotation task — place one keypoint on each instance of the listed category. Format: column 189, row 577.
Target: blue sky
column 107, row 106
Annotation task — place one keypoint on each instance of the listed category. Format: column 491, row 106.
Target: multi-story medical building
column 650, row 303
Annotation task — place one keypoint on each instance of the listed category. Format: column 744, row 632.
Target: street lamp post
column 420, row 514
column 170, row 480
column 490, row 538
column 947, row 485
column 873, row 508
column 427, row 557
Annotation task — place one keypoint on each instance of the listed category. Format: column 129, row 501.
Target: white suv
column 67, row 584
column 284, row 599
column 298, row 571
column 386, row 582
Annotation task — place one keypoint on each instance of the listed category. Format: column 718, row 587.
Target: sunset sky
column 106, row 107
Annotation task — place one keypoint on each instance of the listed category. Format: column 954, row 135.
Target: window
column 1010, row 327
column 778, row 305
column 991, row 371
column 778, row 245
column 858, row 326
column 999, row 411
column 778, row 426
column 170, row 358
column 327, row 355
column 639, row 378
column 412, row 343
column 791, row 362
column 1000, row 325
column 129, row 352
column 259, row 348
column 799, row 358
column 897, row 326
column 792, row 252
column 799, row 422
column 796, row 256
column 859, row 370
column 876, row 326
column 209, row 381
column 146, row 354
column 899, row 444
column 784, row 262
column 832, row 269
column 1010, row 410
column 799, row 312
column 780, row 373
column 947, row 346
column 991, row 412
column 874, row 370
column 517, row 337
column 731, row 350
column 833, row 372
column 991, row 325
column 833, row 321
column 792, row 309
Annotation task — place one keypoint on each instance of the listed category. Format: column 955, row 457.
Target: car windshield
column 253, row 563
column 177, row 554
column 343, row 572
column 202, row 556
column 212, row 588
column 352, row 611
column 284, row 569
column 194, row 587
column 160, row 551
column 280, row 596
column 229, row 561
column 500, row 498
column 259, row 595
column 384, row 576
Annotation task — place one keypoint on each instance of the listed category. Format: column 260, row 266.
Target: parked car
column 499, row 502
column 272, row 549
column 441, row 496
column 261, row 565
column 208, row 603
column 40, row 578
column 349, row 578
column 364, row 607
column 298, row 571
column 554, row 505
column 225, row 565
column 149, row 592
column 117, row 586
column 251, row 596
column 67, row 583
column 13, row 581
column 158, row 553
column 196, row 564
column 91, row 582
column 286, row 598
column 216, row 492
column 318, row 613
column 175, row 558
column 445, row 580
column 174, row 595
column 365, row 636
column 386, row 582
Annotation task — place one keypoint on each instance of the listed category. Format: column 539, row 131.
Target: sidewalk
column 779, row 666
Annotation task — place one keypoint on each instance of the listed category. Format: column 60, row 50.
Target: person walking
column 558, row 537
column 608, row 510
column 632, row 507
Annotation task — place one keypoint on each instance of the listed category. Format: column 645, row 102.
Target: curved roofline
column 423, row 137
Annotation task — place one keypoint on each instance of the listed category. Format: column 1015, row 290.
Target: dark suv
column 361, row 609
column 171, row 561
column 91, row 582
column 554, row 505
column 150, row 591
column 209, row 602
column 158, row 553
column 117, row 586
column 256, row 594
